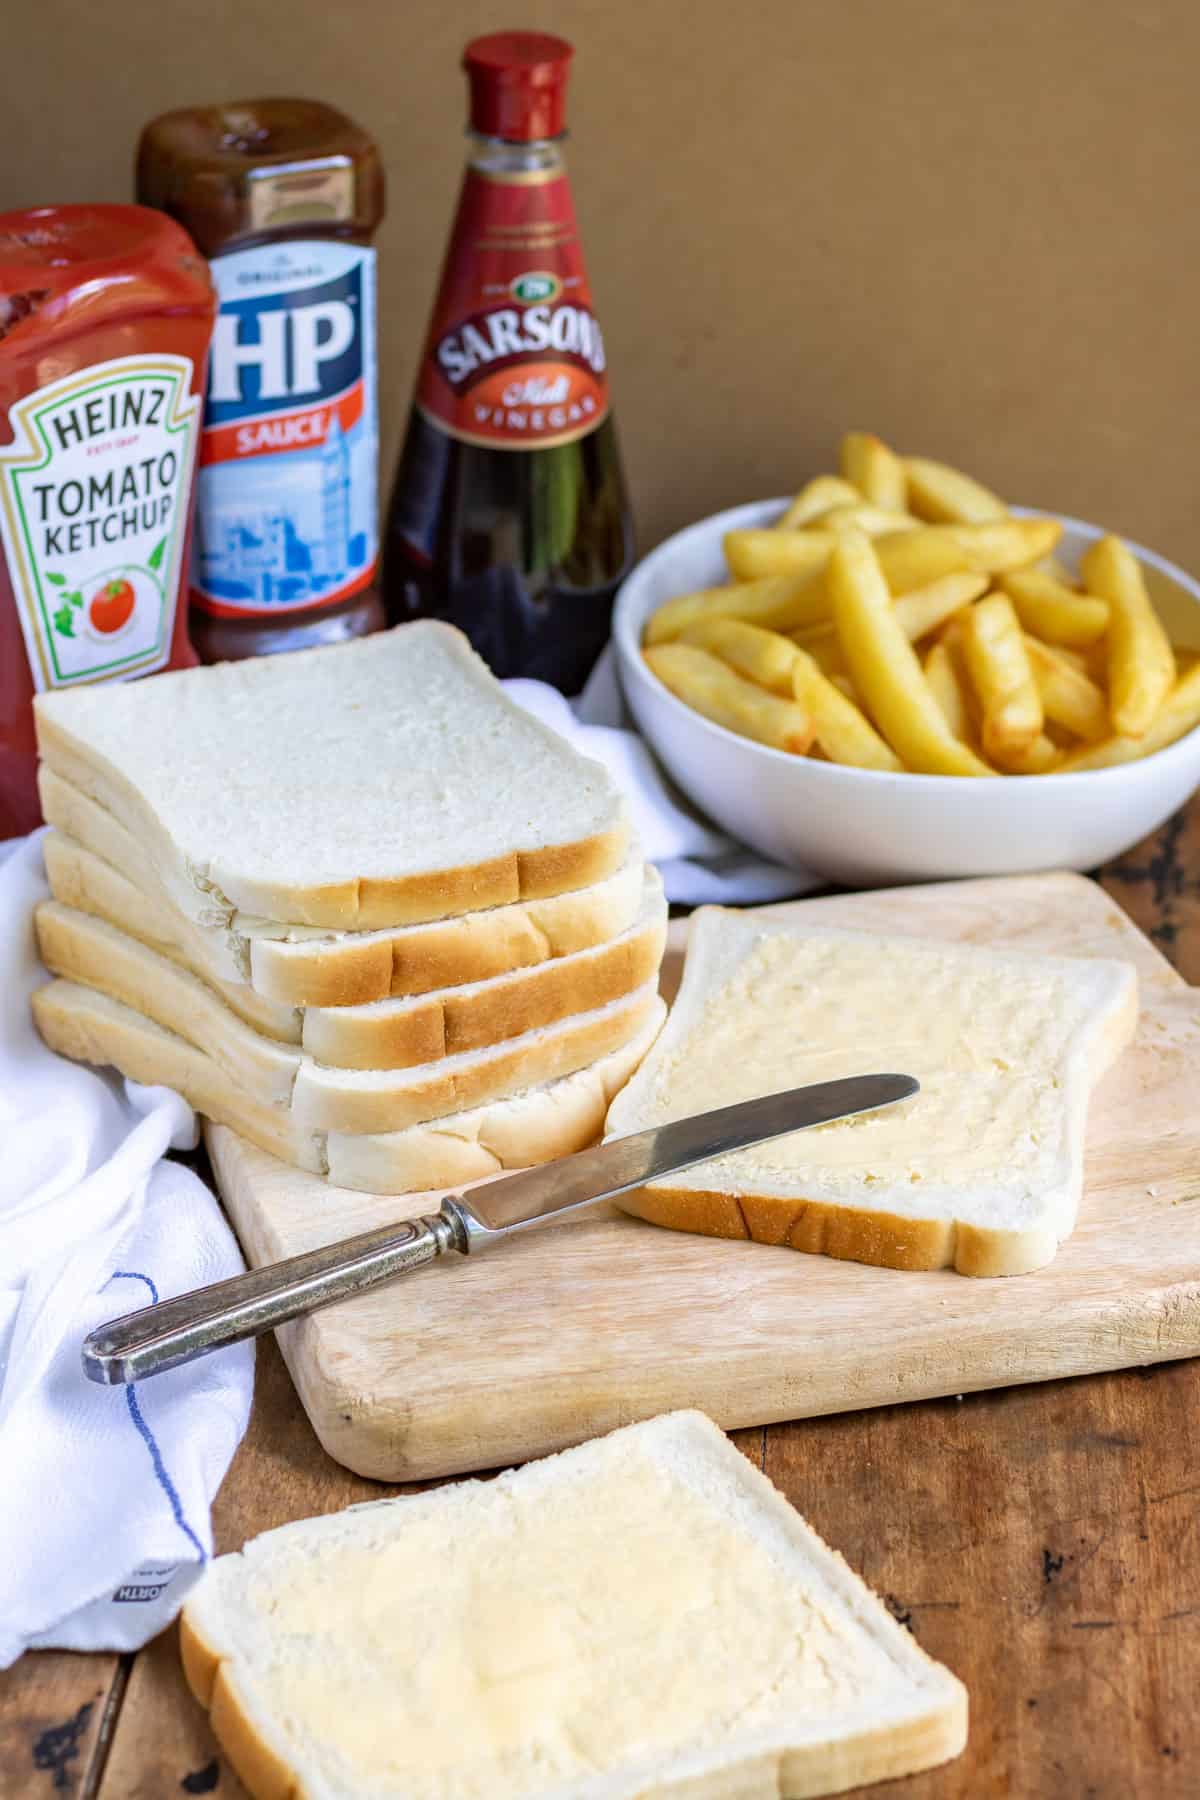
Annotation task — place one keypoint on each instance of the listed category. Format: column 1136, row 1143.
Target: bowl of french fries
column 896, row 676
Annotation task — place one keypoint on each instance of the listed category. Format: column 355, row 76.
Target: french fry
column 913, row 559
column 1069, row 697
column 922, row 610
column 1097, row 665
column 842, row 730
column 821, row 643
column 1038, row 758
column 919, row 612
column 876, row 521
column 761, row 656
column 777, row 603
column 1003, row 544
column 709, row 686
column 946, row 496
column 1057, row 571
column 1075, row 659
column 754, row 553
column 948, row 691
column 1178, row 714
column 996, row 659
column 1053, row 611
column 816, row 497
column 1141, row 663
column 876, row 471
column 885, row 669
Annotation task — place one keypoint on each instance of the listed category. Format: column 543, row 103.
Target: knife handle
column 177, row 1331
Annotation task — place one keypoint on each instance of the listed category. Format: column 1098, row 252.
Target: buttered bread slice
column 981, row 1170
column 642, row 1617
column 386, row 781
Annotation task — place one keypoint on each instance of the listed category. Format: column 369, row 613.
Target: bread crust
column 200, row 1661
column 883, row 1239
column 260, row 1768
column 445, row 952
column 458, row 1020
column 263, row 1773
column 505, row 1069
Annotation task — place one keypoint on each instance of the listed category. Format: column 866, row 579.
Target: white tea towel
column 106, row 1491
column 698, row 863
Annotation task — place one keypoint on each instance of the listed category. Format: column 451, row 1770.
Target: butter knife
column 178, row 1331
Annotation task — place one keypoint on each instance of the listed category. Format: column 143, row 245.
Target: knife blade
column 164, row 1336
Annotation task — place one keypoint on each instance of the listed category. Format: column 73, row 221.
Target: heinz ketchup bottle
column 509, row 515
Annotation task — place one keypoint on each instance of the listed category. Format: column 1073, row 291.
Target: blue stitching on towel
column 147, row 1436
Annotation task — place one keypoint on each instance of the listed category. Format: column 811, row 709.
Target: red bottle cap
column 518, row 84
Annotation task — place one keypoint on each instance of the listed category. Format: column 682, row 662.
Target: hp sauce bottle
column 283, row 197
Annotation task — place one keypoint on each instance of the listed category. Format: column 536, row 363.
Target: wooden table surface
column 1043, row 1541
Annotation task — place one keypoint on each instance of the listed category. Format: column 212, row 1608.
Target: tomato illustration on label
column 112, row 607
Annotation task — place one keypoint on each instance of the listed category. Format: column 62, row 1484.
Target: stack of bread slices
column 351, row 902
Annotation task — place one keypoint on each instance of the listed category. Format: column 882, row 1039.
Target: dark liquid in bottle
column 523, row 550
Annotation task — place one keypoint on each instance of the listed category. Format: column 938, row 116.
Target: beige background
column 971, row 225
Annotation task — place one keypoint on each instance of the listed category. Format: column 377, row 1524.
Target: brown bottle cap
column 518, row 84
column 256, row 166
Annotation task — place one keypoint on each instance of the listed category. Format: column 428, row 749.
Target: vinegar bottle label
column 94, row 495
column 515, row 357
column 286, row 494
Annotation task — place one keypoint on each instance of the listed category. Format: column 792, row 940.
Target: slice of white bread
column 384, row 781
column 642, row 1618
column 533, row 1126
column 982, row 1169
column 384, row 1034
column 318, row 1096
column 93, row 863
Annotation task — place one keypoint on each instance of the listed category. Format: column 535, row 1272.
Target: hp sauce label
column 286, row 497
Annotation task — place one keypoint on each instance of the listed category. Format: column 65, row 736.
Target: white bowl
column 866, row 827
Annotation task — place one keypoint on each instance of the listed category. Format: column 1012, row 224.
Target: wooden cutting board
column 601, row 1319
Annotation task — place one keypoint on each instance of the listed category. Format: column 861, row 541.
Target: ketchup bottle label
column 515, row 357
column 93, row 516
column 286, row 495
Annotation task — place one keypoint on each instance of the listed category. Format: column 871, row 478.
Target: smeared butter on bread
column 982, row 1169
column 642, row 1616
